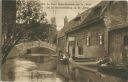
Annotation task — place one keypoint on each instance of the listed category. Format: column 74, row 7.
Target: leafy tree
column 28, row 11
column 20, row 20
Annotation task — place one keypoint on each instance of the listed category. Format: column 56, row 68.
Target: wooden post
column 76, row 73
column 76, row 49
column 106, row 44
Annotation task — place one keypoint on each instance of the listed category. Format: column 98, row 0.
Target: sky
column 61, row 8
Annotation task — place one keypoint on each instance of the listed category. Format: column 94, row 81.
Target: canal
column 45, row 68
column 29, row 70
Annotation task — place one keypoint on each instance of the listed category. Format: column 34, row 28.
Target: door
column 72, row 48
column 125, row 49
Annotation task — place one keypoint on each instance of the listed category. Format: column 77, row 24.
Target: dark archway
column 42, row 51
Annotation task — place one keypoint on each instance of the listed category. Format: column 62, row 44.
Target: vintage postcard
column 64, row 40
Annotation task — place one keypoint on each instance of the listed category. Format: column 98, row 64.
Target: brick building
column 97, row 32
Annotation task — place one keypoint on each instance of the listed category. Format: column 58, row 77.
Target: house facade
column 118, row 47
column 97, row 32
column 88, row 42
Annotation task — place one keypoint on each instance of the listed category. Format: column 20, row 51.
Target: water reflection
column 46, row 76
column 28, row 71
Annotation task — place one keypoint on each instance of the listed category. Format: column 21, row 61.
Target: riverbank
column 88, row 72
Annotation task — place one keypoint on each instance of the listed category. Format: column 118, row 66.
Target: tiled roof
column 92, row 14
column 81, row 18
column 74, row 23
column 121, row 26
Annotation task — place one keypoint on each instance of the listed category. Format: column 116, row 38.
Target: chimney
column 65, row 20
column 53, row 21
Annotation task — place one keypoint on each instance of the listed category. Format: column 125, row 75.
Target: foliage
column 30, row 10
column 20, row 25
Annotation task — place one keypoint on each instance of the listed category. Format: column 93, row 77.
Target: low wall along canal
column 33, row 68
column 84, row 73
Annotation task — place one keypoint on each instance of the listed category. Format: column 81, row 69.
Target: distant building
column 97, row 32
column 53, row 31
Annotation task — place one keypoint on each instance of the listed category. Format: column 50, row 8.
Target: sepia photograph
column 63, row 40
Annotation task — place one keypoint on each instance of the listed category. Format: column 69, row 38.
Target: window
column 73, row 50
column 126, row 40
column 80, row 50
column 67, row 45
column 101, row 41
column 71, row 43
column 87, row 40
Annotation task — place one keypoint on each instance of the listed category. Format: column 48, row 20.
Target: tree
column 21, row 12
column 30, row 10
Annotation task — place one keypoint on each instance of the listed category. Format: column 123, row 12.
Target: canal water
column 43, row 69
column 30, row 71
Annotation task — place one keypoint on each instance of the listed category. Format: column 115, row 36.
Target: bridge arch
column 16, row 58
column 22, row 47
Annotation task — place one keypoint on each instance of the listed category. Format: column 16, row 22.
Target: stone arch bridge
column 17, row 60
column 22, row 47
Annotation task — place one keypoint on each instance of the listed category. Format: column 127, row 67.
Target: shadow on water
column 121, row 73
column 7, row 71
column 27, row 69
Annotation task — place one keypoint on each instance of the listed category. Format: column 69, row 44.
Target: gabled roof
column 117, row 27
column 74, row 22
column 82, row 18
column 91, row 15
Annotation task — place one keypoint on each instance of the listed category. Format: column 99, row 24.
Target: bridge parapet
column 22, row 47
column 28, row 45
